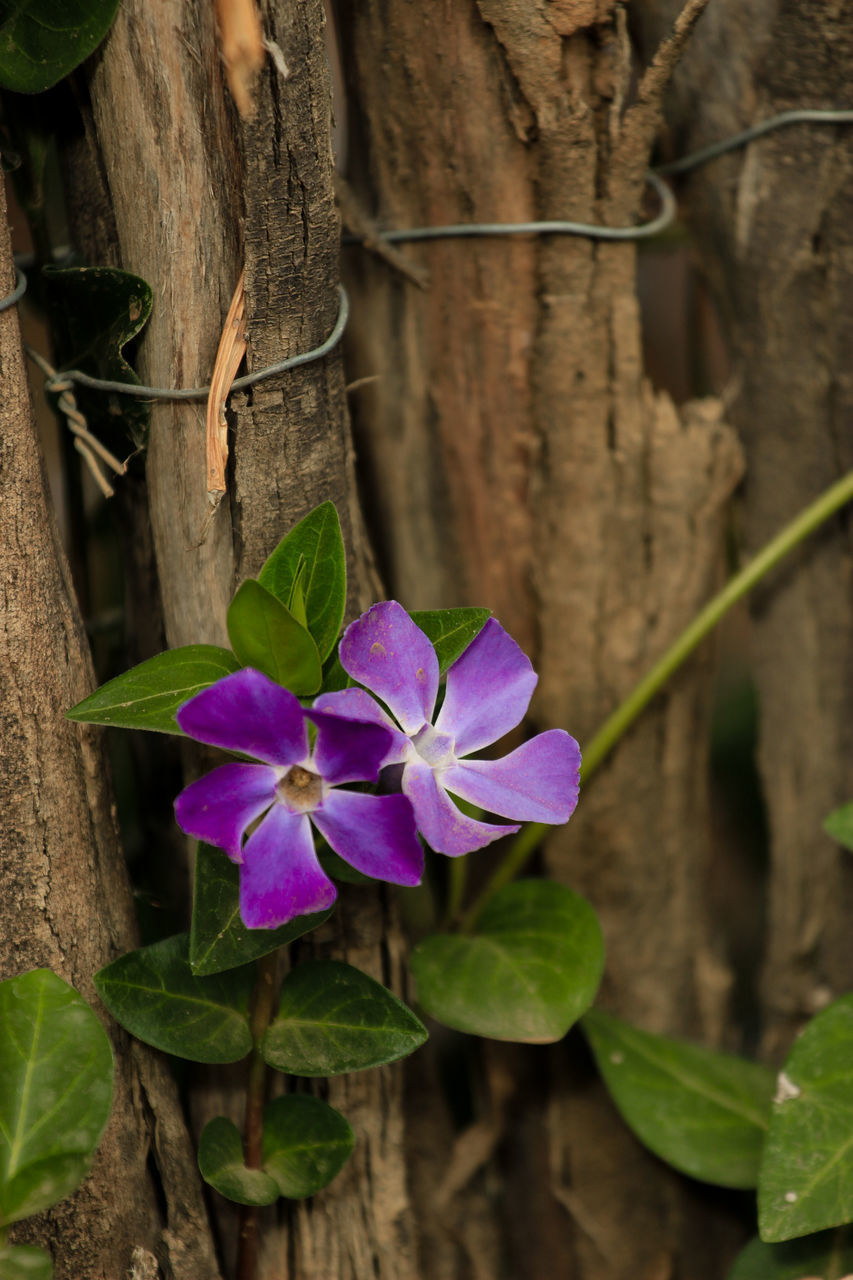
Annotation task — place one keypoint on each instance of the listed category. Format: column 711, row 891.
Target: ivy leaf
column 25, row 1262
column 806, row 1180
column 147, row 696
column 839, row 825
column 221, row 1164
column 155, row 995
column 528, row 972
column 218, row 938
column 56, row 1088
column 450, row 630
column 264, row 634
column 333, row 1018
column 825, row 1256
column 95, row 312
column 306, row 1144
column 43, row 40
column 703, row 1112
column 311, row 560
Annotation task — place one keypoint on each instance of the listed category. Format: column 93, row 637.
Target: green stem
column 457, row 873
column 617, row 724
column 263, row 1005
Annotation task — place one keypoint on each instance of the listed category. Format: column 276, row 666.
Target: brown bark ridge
column 65, row 901
column 773, row 233
column 520, row 460
column 208, row 183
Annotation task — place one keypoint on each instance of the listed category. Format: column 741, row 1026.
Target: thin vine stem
column 617, row 724
column 263, row 1006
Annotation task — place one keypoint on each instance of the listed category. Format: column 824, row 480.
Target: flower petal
column 357, row 704
column 445, row 828
column 280, row 877
column 489, row 688
column 220, row 806
column 375, row 834
column 538, row 782
column 250, row 713
column 389, row 654
column 349, row 750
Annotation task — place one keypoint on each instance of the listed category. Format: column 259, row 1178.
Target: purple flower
column 488, row 691
column 295, row 786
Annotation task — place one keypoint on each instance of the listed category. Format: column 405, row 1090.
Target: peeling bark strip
column 775, row 237
column 522, row 462
column 64, row 897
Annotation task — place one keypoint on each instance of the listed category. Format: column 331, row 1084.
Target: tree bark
column 65, row 901
column 218, row 193
column 520, row 460
column 772, row 233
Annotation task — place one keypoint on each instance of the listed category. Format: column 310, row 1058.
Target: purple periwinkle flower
column 296, row 784
column 487, row 693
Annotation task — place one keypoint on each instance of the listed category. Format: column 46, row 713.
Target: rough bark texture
column 519, row 460
column 773, row 232
column 65, row 902
column 217, row 191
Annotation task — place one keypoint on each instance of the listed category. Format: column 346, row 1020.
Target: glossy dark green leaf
column 218, row 938
column 221, row 1164
column 265, row 635
column 826, row 1256
column 56, row 1088
column 156, row 996
column 703, row 1112
column 528, row 972
column 306, row 1144
column 451, row 630
column 147, row 696
column 313, row 551
column 43, row 40
column 839, row 825
column 334, row 676
column 806, row 1180
column 24, row 1262
column 95, row 312
column 333, row 1018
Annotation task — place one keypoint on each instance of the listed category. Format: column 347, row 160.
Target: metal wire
column 590, row 230
column 17, row 293
column 464, row 230
column 201, row 393
column 801, row 115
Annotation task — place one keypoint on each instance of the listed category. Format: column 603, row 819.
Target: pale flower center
column 300, row 790
column 437, row 749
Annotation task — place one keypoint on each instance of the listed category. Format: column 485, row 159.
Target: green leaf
column 336, row 869
column 702, row 1111
column 806, row 1180
column 155, row 995
column 306, row 1144
column 221, row 1164
column 218, row 938
column 839, row 825
column 530, row 970
column 25, row 1262
column 313, row 553
column 826, row 1256
column 333, row 1018
column 56, row 1088
column 147, row 696
column 450, row 630
column 95, row 312
column 43, row 40
column 334, row 676
column 265, row 635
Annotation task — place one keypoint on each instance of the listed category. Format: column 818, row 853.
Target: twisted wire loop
column 201, row 393
column 86, row 444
